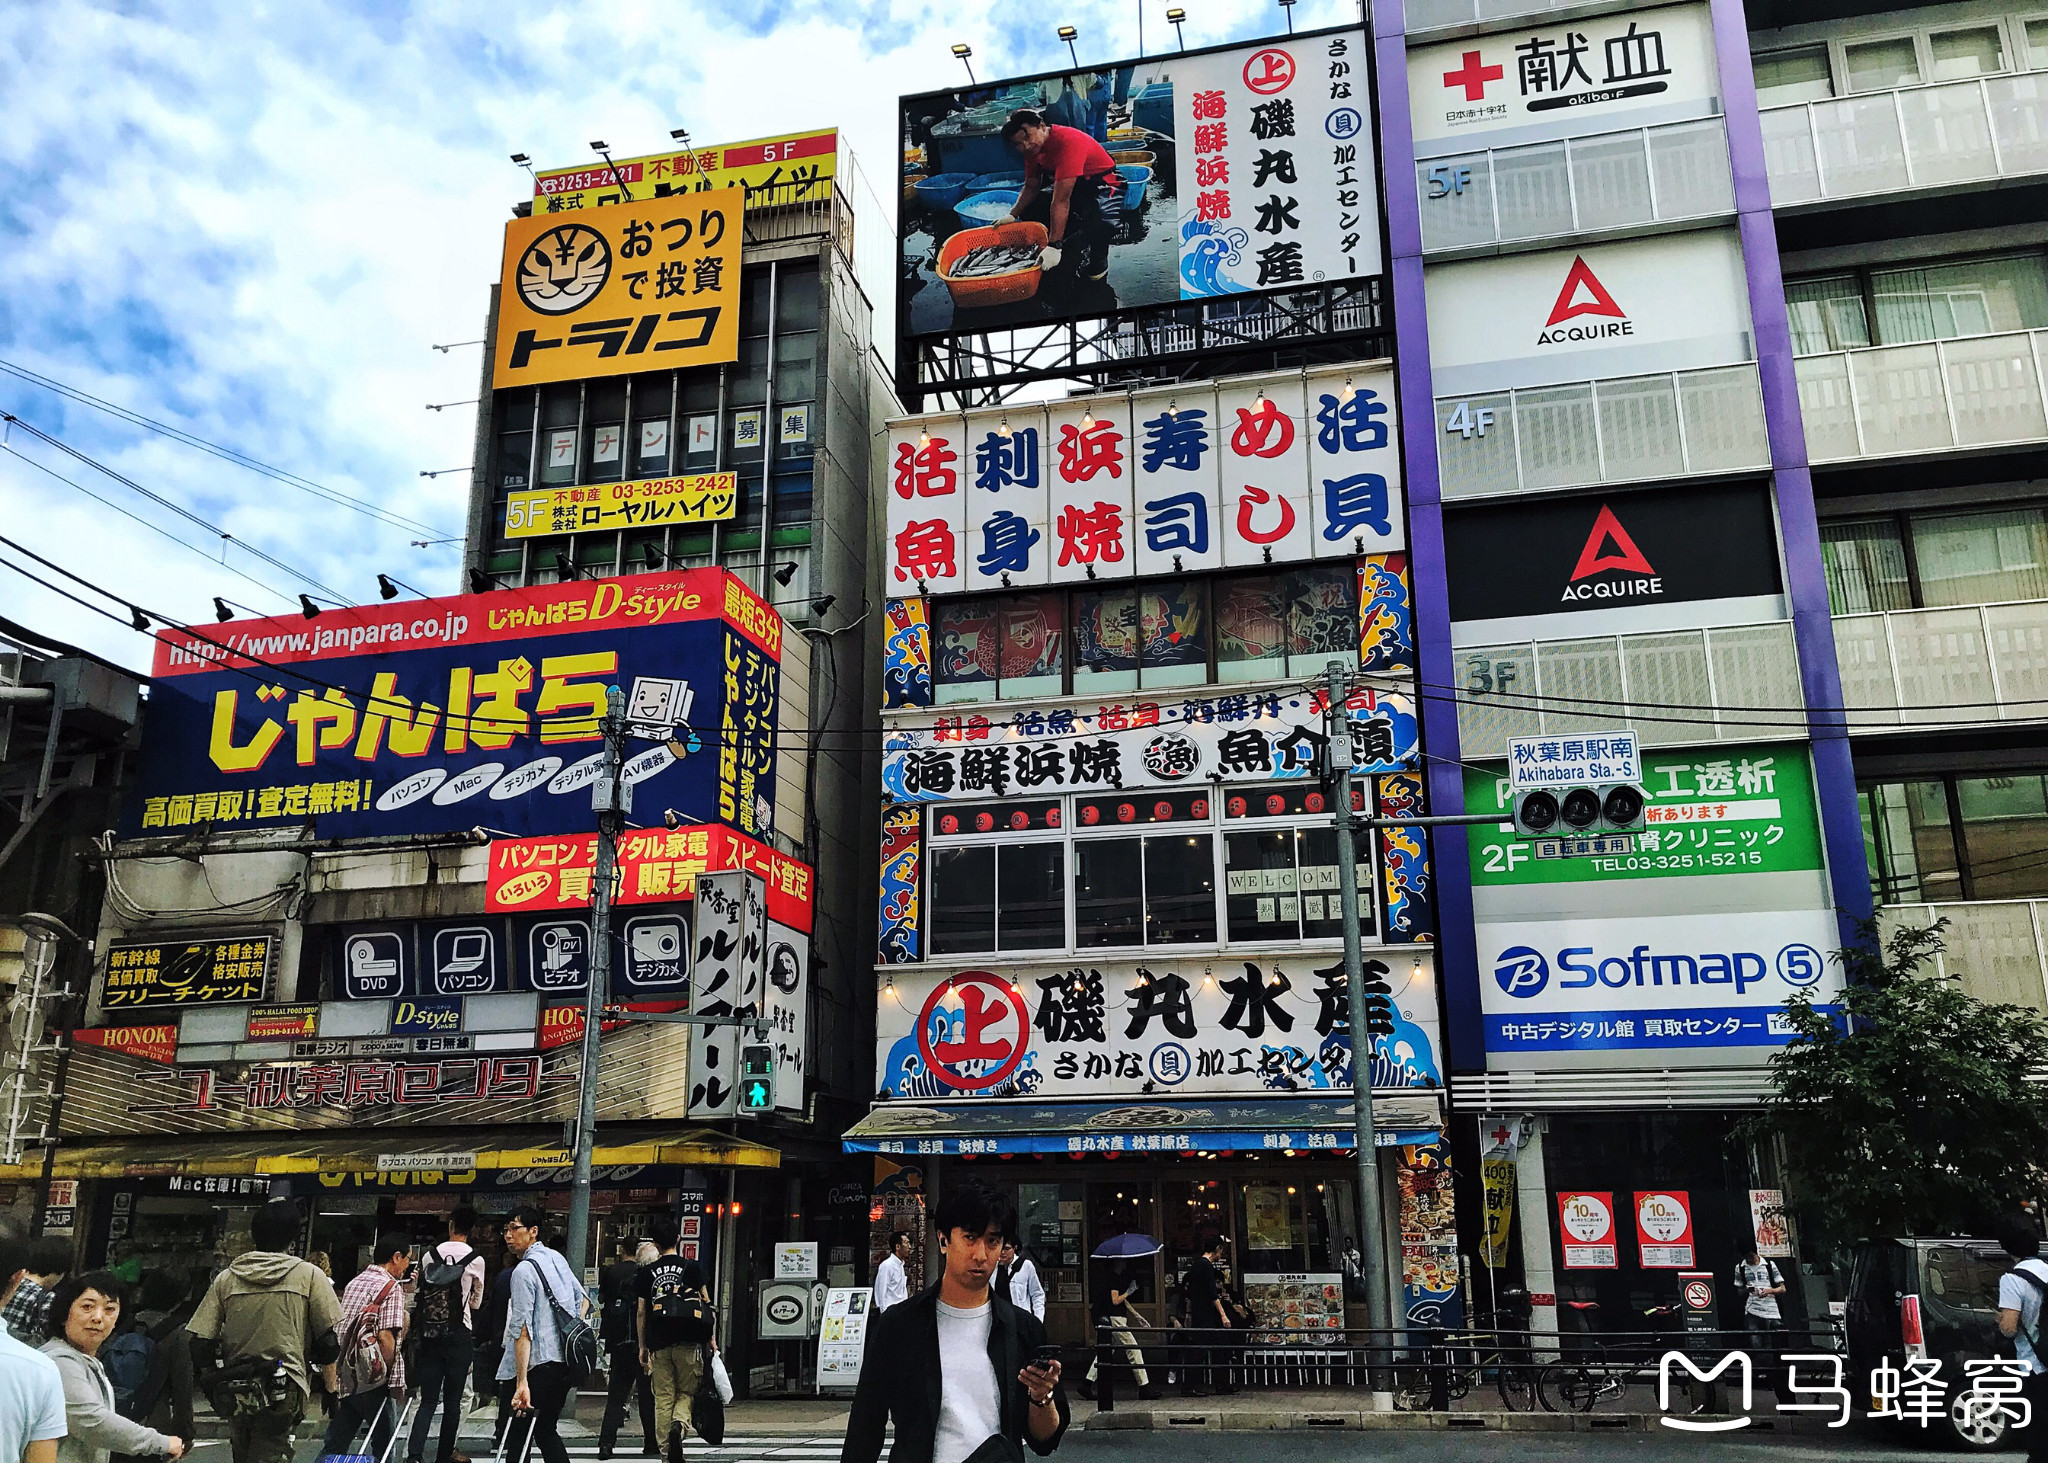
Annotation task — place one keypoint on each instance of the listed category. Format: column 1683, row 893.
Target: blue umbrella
column 1126, row 1247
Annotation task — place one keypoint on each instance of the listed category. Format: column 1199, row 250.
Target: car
column 1930, row 1298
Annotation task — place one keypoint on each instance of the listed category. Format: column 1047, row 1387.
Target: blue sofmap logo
column 1521, row 971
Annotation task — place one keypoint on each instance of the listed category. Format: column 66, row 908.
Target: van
column 1929, row 1298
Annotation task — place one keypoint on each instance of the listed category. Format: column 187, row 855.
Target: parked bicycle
column 1494, row 1348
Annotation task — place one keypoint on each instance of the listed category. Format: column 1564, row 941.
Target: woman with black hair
column 84, row 1310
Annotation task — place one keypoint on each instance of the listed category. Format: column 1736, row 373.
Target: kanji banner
column 786, row 168
column 428, row 716
column 655, row 866
column 700, row 497
column 634, row 287
column 187, row 973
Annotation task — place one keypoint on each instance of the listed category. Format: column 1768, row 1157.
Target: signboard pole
column 1372, row 1238
column 611, row 816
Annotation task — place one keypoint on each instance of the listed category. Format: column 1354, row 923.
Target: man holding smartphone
column 998, row 1382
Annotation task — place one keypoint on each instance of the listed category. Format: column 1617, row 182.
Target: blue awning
column 1222, row 1125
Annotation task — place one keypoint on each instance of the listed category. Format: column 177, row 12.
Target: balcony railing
column 1584, row 185
column 1676, row 686
column 1587, row 433
column 1897, row 400
column 1964, row 666
column 1942, row 136
column 1994, row 946
column 1427, row 15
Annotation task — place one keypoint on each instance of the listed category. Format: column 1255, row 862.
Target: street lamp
column 1174, row 17
column 603, row 150
column 1288, row 7
column 963, row 51
column 1067, row 34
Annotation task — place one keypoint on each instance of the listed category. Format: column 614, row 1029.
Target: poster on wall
column 1768, row 1222
column 1585, row 1224
column 1664, row 1229
column 1204, row 173
column 1292, row 1309
column 1268, row 1221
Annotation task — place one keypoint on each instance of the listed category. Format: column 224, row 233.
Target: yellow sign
column 1498, row 1175
column 633, row 287
column 794, row 166
column 702, row 497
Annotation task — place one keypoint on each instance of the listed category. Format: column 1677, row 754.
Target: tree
column 1914, row 1110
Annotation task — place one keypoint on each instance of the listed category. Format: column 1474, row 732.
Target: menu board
column 1293, row 1309
column 843, row 1337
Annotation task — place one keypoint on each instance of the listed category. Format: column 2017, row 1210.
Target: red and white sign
column 1268, row 517
column 656, row 866
column 1585, row 1224
column 1699, row 1295
column 926, row 478
column 151, row 1043
column 1088, row 450
column 973, row 1031
column 1664, row 1229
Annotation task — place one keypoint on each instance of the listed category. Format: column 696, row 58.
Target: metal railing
column 1993, row 947
column 1580, row 185
column 1945, row 135
column 1935, row 396
column 1965, row 666
column 1426, row 15
column 1585, row 433
column 1557, row 687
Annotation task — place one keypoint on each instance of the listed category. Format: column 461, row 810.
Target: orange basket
column 994, row 289
column 1135, row 158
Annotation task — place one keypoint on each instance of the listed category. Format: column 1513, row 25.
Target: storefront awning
column 361, row 1153
column 1224, row 1125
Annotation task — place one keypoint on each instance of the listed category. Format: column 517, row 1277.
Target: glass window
column 1976, row 297
column 1286, row 1226
column 1251, row 629
column 1982, row 558
column 1109, row 892
column 1866, row 566
column 1909, row 843
column 754, row 302
column 1031, row 913
column 604, row 446
column 560, row 406
column 1881, row 65
column 1180, row 890
column 1960, row 54
column 963, row 900
column 1965, row 1279
column 648, row 441
column 1826, row 314
column 796, row 297
column 793, row 498
column 1792, row 76
column 1030, row 647
column 1281, row 884
column 1174, row 634
column 2005, row 835
column 748, row 384
column 796, row 367
column 2037, row 44
column 1105, row 641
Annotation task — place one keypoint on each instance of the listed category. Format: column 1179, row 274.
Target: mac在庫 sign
column 632, row 287
column 427, row 716
column 187, row 973
column 790, row 166
column 700, row 497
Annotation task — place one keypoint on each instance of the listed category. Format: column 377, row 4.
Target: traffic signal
column 1536, row 812
column 757, row 1078
column 1579, row 812
column 1621, row 807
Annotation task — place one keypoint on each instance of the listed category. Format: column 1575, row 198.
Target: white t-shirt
column 31, row 1398
column 1762, row 1275
column 969, row 1404
column 2015, row 1294
column 448, row 1252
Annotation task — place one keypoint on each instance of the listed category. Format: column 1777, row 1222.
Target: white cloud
column 253, row 222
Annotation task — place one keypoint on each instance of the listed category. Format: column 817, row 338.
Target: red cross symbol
column 1473, row 77
column 1500, row 1136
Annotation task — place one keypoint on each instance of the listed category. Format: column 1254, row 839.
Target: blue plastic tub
column 1152, row 108
column 981, row 210
column 1013, row 181
column 943, row 191
column 1137, row 181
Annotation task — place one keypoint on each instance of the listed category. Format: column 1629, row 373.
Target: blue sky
column 254, row 221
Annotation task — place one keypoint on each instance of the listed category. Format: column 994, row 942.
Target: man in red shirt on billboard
column 1072, row 187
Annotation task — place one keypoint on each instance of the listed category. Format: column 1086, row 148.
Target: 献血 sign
column 1574, row 761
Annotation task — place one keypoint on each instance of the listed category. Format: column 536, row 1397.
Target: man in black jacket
column 957, row 1365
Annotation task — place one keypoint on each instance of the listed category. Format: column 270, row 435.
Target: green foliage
column 1916, row 1113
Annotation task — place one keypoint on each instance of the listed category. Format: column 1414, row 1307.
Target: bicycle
column 1591, row 1376
column 1464, row 1359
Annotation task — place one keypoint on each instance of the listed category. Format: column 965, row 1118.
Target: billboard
column 698, row 497
column 432, row 716
column 632, row 287
column 1199, row 174
column 1615, row 551
column 1633, row 69
column 1670, row 303
column 793, row 165
column 1207, row 475
column 1158, row 1028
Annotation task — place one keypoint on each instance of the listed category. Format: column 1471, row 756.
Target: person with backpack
column 265, row 1321
column 150, row 1360
column 675, row 1329
column 86, row 1309
column 545, row 1355
column 618, row 1294
column 1761, row 1285
column 371, row 1367
column 450, row 1288
column 2020, row 1294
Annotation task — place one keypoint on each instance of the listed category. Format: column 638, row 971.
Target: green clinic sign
column 1746, row 810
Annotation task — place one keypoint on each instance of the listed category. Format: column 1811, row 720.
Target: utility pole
column 612, row 800
column 1372, row 1235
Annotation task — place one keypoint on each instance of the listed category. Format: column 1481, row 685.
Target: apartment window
column 1957, row 837
column 1111, row 640
column 604, row 431
column 1915, row 303
column 515, row 440
column 1783, row 77
column 1866, row 566
column 1933, row 561
column 1826, row 314
column 2037, row 44
column 648, row 437
column 560, row 407
column 1882, row 65
column 1909, row 842
column 1958, row 55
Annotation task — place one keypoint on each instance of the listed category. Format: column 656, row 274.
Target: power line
column 226, row 454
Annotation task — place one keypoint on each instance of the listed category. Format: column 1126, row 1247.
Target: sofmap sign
column 438, row 715
column 1243, row 738
column 1697, row 987
column 1633, row 69
column 1614, row 551
column 1240, row 473
column 1670, row 303
column 1208, row 1026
